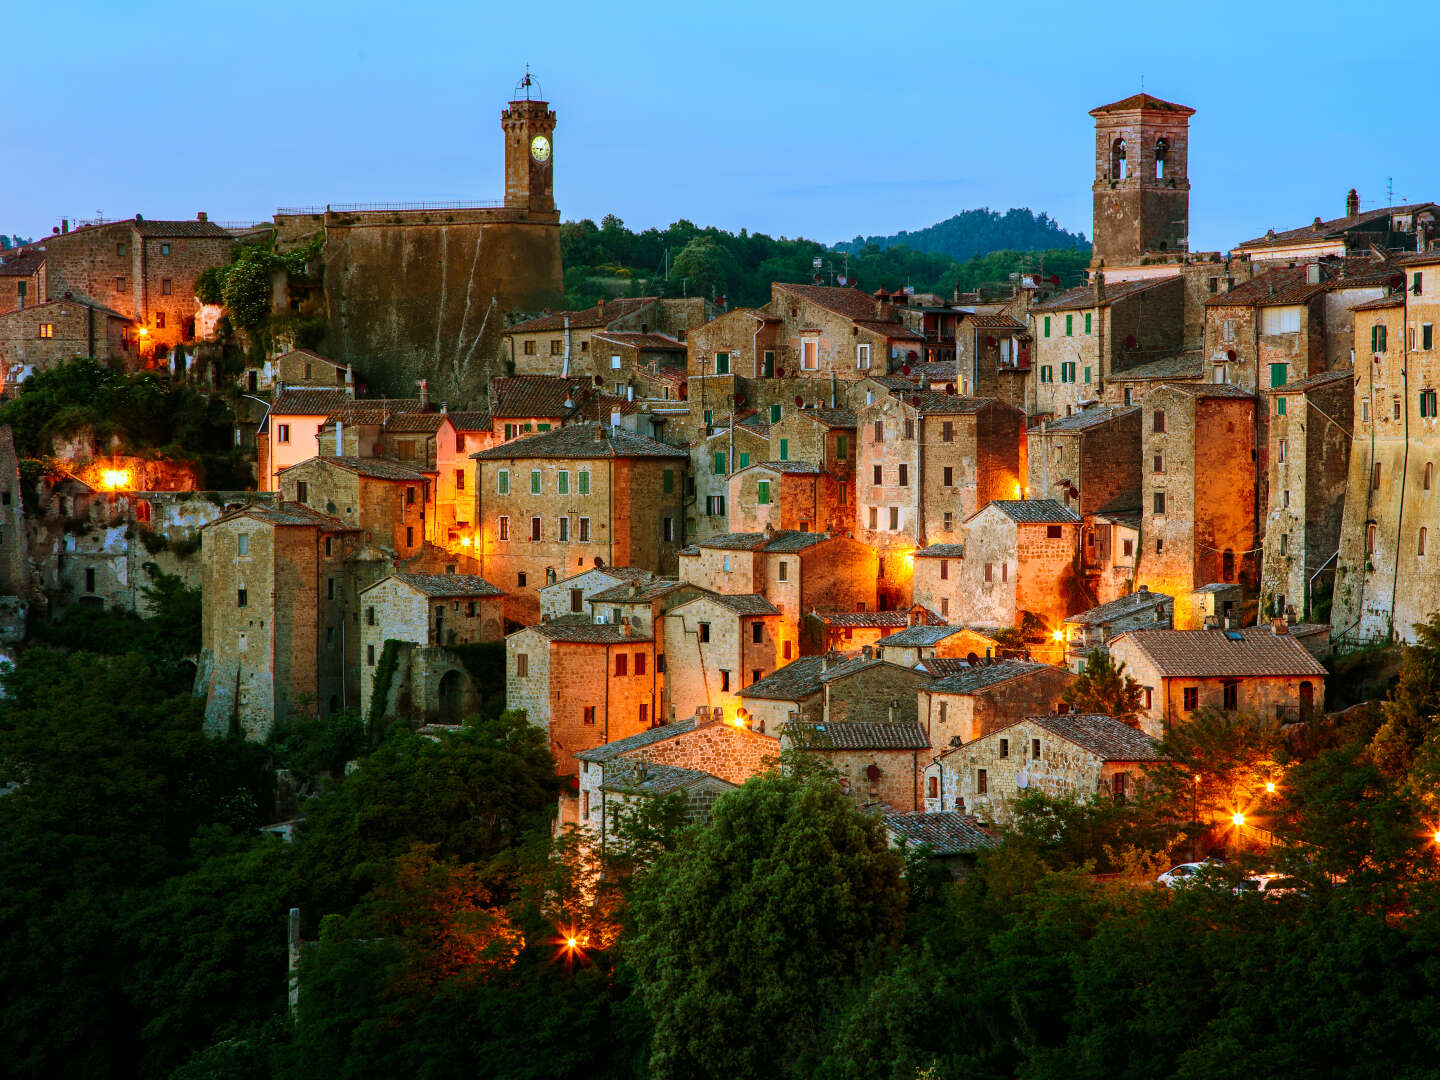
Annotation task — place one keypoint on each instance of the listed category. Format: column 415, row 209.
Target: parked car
column 1185, row 874
column 1270, row 885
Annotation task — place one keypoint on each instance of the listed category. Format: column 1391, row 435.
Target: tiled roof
column 1380, row 303
column 590, row 318
column 582, row 441
column 924, row 634
column 864, row 619
column 589, row 633
column 941, row 667
column 618, row 573
column 798, row 679
column 309, row 401
column 983, row 676
column 944, row 832
column 372, row 468
column 1034, row 511
column 648, row 778
column 994, row 322
column 940, row 551
column 830, row 418
column 1189, row 365
column 22, row 263
column 1104, row 736
column 414, row 422
column 1283, row 285
column 1207, row 390
column 601, row 407
column 310, row 354
column 643, row 341
column 644, row 591
column 1147, row 102
column 1215, row 654
column 371, row 410
column 1086, row 419
column 1084, row 296
column 1325, row 378
column 781, row 540
column 1140, row 600
column 861, row 735
column 745, row 603
column 935, row 403
column 852, row 303
column 893, row 330
column 287, row 513
column 470, row 419
column 535, row 395
column 202, row 229
column 30, row 309
column 806, row 468
column 450, row 584
column 671, row 373
column 1331, row 229
column 606, row 751
column 1420, row 258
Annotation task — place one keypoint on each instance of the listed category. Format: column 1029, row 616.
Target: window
column 702, row 632
column 160, row 320
column 614, row 361
column 667, row 481
column 874, row 519
column 1004, row 571
column 459, row 479
column 562, row 529
column 587, row 715
column 1087, row 376
column 1280, row 406
column 1427, row 335
column 894, row 518
column 769, row 369
column 534, row 529
column 562, row 482
column 724, row 681
column 534, row 481
column 1035, row 749
column 786, row 650
column 1377, row 338
column 862, row 357
column 1087, row 323
column 949, row 520
column 934, row 788
column 982, row 784
column 520, row 580
column 120, row 250
column 947, row 431
column 842, row 448
column 370, row 655
column 1365, row 410
column 1149, row 698
column 1129, row 395
column 744, row 459
column 1231, row 696
column 583, row 486
column 1396, row 405
column 667, row 531
column 1277, row 374
column 1047, row 325
column 1054, row 532
column 1004, row 748
column 645, row 714
column 242, row 597
column 762, row 493
column 584, row 530
column 529, row 348
column 722, row 363
column 877, row 472
column 1190, row 698
column 1280, row 451
column 909, row 428
column 1159, row 463
column 330, row 588
column 1128, row 548
column 715, row 505
column 719, row 463
column 1420, row 546
column 948, row 476
column 283, row 434
column 622, row 662
column 784, row 449
column 784, row 570
column 904, row 473
column 1427, row 403
column 1370, row 539
column 1159, row 502
column 409, row 535
column 510, row 431
column 1285, row 498
column 1284, row 543
column 1227, row 565
column 810, row 354
column 242, row 544
column 47, row 330
column 410, row 496
column 1417, row 283
column 1159, row 545
column 989, row 571
column 165, row 287
column 879, row 431
column 502, row 528
column 556, row 346
column 120, row 284
column 1429, row 474
column 1375, row 477
column 1069, row 325
column 1158, row 422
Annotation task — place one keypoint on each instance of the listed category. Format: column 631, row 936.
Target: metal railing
column 360, row 208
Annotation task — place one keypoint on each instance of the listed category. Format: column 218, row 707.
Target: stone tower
column 1142, row 179
column 529, row 127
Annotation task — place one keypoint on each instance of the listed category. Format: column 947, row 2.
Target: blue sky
column 816, row 119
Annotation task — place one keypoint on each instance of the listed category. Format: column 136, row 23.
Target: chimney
column 1352, row 204
column 1312, row 274
column 349, row 381
column 600, row 307
column 1099, row 286
column 769, row 530
column 444, row 408
column 202, row 216
column 64, row 225
column 424, row 385
column 1143, row 588
column 825, row 661
column 1278, row 627
column 894, row 708
column 1316, row 223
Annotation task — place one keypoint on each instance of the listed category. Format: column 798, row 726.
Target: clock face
column 540, row 148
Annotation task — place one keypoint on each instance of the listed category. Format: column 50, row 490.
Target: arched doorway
column 454, row 697
column 1307, row 697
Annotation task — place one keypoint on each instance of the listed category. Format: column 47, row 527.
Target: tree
column 1104, row 687
column 751, row 931
column 1412, row 711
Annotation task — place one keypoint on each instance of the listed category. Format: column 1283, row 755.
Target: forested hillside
column 685, row 259
column 978, row 232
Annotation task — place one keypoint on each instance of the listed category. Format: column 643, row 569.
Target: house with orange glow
column 291, row 432
column 1021, row 559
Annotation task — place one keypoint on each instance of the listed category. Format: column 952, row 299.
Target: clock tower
column 529, row 126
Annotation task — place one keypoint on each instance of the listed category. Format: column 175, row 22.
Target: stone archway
column 456, row 698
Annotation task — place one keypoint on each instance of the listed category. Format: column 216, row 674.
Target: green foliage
column 315, row 746
column 245, row 289
column 484, row 661
column 1104, row 687
column 1411, row 715
column 380, row 686
column 978, row 232
column 777, row 908
column 209, row 286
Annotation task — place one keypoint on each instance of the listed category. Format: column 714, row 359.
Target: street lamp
column 1237, row 818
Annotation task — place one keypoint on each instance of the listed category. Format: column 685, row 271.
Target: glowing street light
column 1270, row 788
column 1058, row 635
column 572, row 943
column 1237, row 818
column 114, row 479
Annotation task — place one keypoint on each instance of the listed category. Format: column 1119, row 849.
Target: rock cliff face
column 426, row 294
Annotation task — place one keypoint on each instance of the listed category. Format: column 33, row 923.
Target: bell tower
column 529, row 126
column 1142, row 179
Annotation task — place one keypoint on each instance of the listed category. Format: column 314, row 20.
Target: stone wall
column 967, row 717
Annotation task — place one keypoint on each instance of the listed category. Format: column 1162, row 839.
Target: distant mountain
column 978, row 232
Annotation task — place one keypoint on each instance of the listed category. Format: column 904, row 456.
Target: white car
column 1271, row 885
column 1184, row 874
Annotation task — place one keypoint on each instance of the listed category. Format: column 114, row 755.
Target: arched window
column 1420, row 545
column 1117, row 160
column 1162, row 148
column 1227, row 565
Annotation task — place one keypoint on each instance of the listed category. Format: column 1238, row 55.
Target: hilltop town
column 902, row 538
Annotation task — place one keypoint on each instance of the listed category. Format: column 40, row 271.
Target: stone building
column 1087, row 335
column 584, row 343
column 950, row 839
column 879, row 763
column 22, row 278
column 1021, row 558
column 1111, row 550
column 429, row 611
column 993, row 355
column 725, row 444
column 915, row 645
column 935, row 578
column 1094, row 629
column 620, row 787
column 798, row 495
column 731, row 752
column 580, row 496
column 1391, row 491
column 44, row 334
column 1142, row 180
column 970, row 704
column 571, row 595
column 295, row 368
column 833, row 687
column 641, row 604
column 385, row 500
column 278, row 584
column 1310, row 434
column 1261, row 670
column 846, row 631
column 823, row 436
column 585, row 685
column 144, row 270
column 714, row 644
column 925, row 462
column 1088, row 460
column 1403, row 228
column 1198, row 491
column 1073, row 755
column 291, row 433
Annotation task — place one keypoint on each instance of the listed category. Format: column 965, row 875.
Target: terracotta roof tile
column 1104, row 736
column 1140, row 600
column 582, row 441
column 1220, row 654
column 645, row 342
column 1325, row 378
column 590, row 318
column 1090, row 418
column 994, row 322
column 1084, row 296
column 745, row 603
column 1182, row 366
column 979, row 677
column 1033, row 511
column 309, row 401
column 1334, row 228
column 371, row 410
column 868, row 620
column 286, row 513
column 849, row 302
column 944, row 832
column 650, row 778
column 644, row 591
column 940, row 551
column 447, row 585
column 607, row 751
column 1145, row 102
column 526, row 396
column 372, row 468
column 860, row 735
column 588, row 633
column 414, row 422
column 925, row 634
column 893, row 330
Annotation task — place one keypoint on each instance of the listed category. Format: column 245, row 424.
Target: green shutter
column 720, row 463
column 669, row 480
column 1087, row 326
column 1374, row 339
column 503, row 482
column 1047, row 325
column 763, row 489
column 1069, row 325
column 1277, row 374
column 745, row 459
column 1426, row 336
column 841, row 450
column 584, row 481
column 1279, row 406
column 1087, row 370
column 542, row 427
column 722, row 363
column 784, row 449
column 774, row 414
column 562, row 482
column 534, row 481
